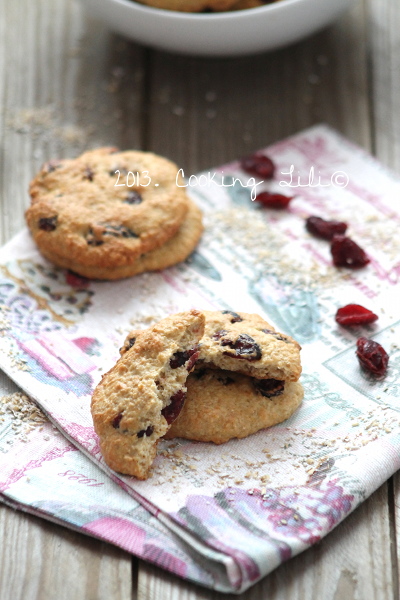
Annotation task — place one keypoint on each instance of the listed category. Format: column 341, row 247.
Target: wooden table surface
column 67, row 84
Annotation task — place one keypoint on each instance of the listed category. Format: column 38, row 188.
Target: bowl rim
column 206, row 17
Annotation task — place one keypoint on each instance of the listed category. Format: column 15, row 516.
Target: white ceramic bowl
column 234, row 33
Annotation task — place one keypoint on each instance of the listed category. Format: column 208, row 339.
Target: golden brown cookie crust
column 174, row 251
column 131, row 406
column 79, row 216
column 221, row 405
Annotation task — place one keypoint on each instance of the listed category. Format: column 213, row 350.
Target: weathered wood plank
column 205, row 112
column 43, row 561
column 384, row 41
column 347, row 564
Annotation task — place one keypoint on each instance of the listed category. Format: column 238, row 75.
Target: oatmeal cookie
column 139, row 398
column 250, row 345
column 221, row 405
column 245, row 343
column 82, row 221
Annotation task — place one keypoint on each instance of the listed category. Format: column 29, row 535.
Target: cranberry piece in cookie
column 246, row 343
column 269, row 387
column 235, row 317
column 244, row 347
column 48, row 223
column 172, row 410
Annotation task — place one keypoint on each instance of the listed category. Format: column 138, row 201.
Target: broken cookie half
column 245, row 379
column 139, row 398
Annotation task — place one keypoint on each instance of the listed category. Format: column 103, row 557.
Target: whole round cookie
column 190, row 5
column 175, row 250
column 248, row 344
column 221, row 405
column 139, row 398
column 86, row 214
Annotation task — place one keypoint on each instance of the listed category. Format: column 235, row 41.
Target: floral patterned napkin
column 245, row 506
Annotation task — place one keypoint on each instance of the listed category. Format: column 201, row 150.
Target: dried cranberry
column 245, row 347
column 354, row 314
column 372, row 356
column 133, row 197
column 181, row 357
column 219, row 334
column 107, row 229
column 269, row 387
column 347, row 253
column 48, row 223
column 259, row 165
column 145, row 432
column 171, row 412
column 276, row 335
column 88, row 174
column 270, row 200
column 325, row 229
column 193, row 360
column 119, row 231
column 117, row 420
column 235, row 317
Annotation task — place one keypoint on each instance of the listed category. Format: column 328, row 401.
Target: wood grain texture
column 351, row 562
column 42, row 561
column 206, row 112
column 384, row 39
